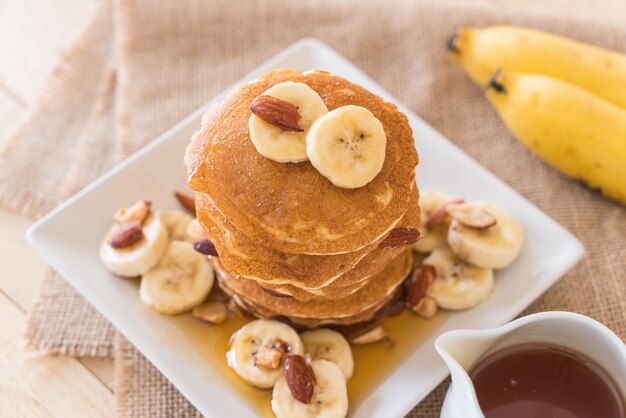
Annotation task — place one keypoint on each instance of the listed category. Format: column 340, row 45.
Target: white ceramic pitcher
column 578, row 333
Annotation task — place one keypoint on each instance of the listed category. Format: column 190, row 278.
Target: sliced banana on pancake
column 347, row 146
column 276, row 143
column 180, row 281
column 329, row 345
column 330, row 395
column 258, row 349
column 176, row 222
column 436, row 235
column 457, row 285
column 136, row 259
column 484, row 235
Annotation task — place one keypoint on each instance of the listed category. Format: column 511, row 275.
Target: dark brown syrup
column 541, row 381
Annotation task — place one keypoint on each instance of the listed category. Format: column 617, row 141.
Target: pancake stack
column 292, row 244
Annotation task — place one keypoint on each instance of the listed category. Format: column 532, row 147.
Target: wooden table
column 33, row 35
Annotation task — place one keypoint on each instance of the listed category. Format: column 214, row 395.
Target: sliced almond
column 277, row 112
column 400, row 237
column 212, row 312
column 187, row 201
column 206, row 247
column 472, row 216
column 269, row 358
column 195, row 230
column 373, row 336
column 426, row 308
column 421, row 279
column 126, row 234
column 300, row 378
column 439, row 215
column 137, row 212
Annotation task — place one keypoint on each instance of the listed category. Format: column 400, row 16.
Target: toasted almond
column 137, row 212
column 212, row 312
column 277, row 112
column 126, row 234
column 187, row 201
column 400, row 237
column 195, row 230
column 269, row 358
column 439, row 214
column 373, row 336
column 206, row 247
column 472, row 216
column 300, row 378
column 426, row 308
column 421, row 279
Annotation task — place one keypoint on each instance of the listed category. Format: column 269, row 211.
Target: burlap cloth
column 142, row 66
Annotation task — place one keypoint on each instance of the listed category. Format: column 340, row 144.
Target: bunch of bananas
column 564, row 99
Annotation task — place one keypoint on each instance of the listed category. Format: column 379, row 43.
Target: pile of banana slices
column 159, row 247
column 291, row 123
column 308, row 372
column 462, row 244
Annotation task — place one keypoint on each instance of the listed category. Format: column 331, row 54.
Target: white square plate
column 68, row 239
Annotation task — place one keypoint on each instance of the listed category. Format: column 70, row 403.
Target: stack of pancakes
column 290, row 243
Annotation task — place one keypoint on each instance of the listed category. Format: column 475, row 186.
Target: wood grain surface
column 33, row 36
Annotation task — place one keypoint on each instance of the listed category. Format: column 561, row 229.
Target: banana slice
column 286, row 146
column 347, row 146
column 258, row 348
column 176, row 222
column 435, row 236
column 493, row 247
column 330, row 396
column 179, row 282
column 457, row 284
column 329, row 345
column 139, row 258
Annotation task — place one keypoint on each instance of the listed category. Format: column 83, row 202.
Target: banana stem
column 493, row 82
column 451, row 42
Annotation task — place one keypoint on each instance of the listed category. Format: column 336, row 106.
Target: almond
column 399, row 237
column 269, row 358
column 212, row 312
column 137, row 212
column 373, row 336
column 277, row 112
column 126, row 234
column 300, row 378
column 426, row 308
column 187, row 201
column 206, row 247
column 438, row 215
column 421, row 279
column 472, row 216
column 282, row 346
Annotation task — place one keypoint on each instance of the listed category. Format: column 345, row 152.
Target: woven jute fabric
column 141, row 67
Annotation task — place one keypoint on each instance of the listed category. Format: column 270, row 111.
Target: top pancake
column 290, row 206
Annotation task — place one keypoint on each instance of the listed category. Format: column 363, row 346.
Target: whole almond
column 126, row 234
column 421, row 279
column 300, row 378
column 277, row 112
column 440, row 213
column 206, row 247
column 400, row 237
column 187, row 201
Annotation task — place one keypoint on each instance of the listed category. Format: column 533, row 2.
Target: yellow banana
column 579, row 133
column 482, row 51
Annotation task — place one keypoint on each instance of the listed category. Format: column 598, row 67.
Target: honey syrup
column 372, row 363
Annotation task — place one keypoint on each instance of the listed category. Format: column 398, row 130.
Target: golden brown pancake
column 290, row 206
column 377, row 290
